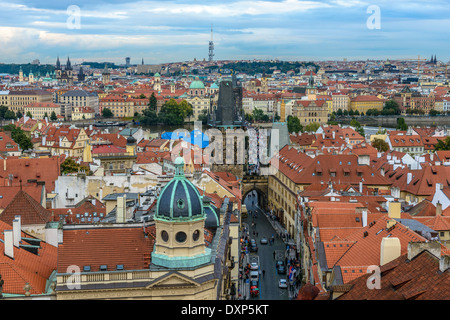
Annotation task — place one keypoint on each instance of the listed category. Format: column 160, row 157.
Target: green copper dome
column 197, row 84
column 179, row 199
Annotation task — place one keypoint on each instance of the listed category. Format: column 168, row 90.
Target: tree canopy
column 107, row 113
column 443, row 144
column 312, row 127
column 380, row 145
column 401, row 124
column 294, row 124
column 174, row 113
column 70, row 166
column 19, row 136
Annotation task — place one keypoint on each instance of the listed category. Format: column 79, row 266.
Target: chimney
column 382, row 172
column 17, row 231
column 364, row 217
column 438, row 187
column 360, row 187
column 4, row 164
column 415, row 248
column 390, row 223
column 394, row 211
column 334, row 135
column 121, row 208
column 408, row 177
column 9, row 243
column 390, row 250
column 93, row 202
column 438, row 209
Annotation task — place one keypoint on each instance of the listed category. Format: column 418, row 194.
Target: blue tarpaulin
column 194, row 137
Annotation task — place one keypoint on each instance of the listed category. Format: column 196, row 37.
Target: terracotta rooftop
column 127, row 246
column 30, row 210
column 403, row 279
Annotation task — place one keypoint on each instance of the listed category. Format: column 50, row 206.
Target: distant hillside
column 267, row 67
column 101, row 65
column 27, row 68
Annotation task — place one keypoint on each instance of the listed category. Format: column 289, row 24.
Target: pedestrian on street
column 274, row 254
column 264, row 272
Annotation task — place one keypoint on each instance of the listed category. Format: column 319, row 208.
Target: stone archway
column 262, row 198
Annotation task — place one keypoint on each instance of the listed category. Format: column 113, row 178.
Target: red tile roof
column 403, row 279
column 113, row 246
column 26, row 267
column 40, row 169
column 29, row 209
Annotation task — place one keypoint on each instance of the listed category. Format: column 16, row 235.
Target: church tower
column 157, row 82
column 20, row 74
column 180, row 222
column 131, row 145
column 311, row 91
column 106, row 76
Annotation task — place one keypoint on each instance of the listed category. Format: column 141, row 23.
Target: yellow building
column 311, row 111
column 364, row 103
column 38, row 110
column 82, row 113
column 17, row 100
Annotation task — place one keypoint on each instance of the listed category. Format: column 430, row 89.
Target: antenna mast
column 211, row 46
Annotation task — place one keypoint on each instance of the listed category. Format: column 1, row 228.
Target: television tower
column 211, row 47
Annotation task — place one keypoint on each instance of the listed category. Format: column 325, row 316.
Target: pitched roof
column 41, row 169
column 26, row 266
column 403, row 279
column 29, row 209
column 128, row 246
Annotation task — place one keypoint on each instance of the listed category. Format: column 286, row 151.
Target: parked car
column 264, row 240
column 253, row 247
column 254, row 288
column 254, row 275
column 282, row 283
column 281, row 269
column 254, row 266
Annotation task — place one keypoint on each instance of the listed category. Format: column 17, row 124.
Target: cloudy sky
column 179, row 30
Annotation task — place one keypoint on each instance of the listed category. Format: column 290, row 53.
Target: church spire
column 68, row 64
column 58, row 64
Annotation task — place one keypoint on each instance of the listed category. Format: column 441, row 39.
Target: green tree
column 70, row 166
column 443, row 144
column 19, row 115
column 346, row 113
column 401, row 124
column 3, row 110
column 53, row 116
column 339, row 112
column 9, row 115
column 312, row 127
column 142, row 96
column 29, row 115
column 149, row 117
column 434, row 113
column 45, row 115
column 19, row 137
column 152, row 102
column 380, row 145
column 107, row 113
column 174, row 113
column 391, row 105
column 294, row 124
column 357, row 126
column 249, row 117
column 203, row 116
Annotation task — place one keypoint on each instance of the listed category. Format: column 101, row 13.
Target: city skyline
column 175, row 31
